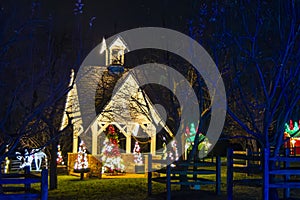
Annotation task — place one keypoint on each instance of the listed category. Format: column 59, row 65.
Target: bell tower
column 114, row 53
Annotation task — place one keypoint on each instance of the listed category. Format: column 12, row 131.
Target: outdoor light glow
column 293, row 142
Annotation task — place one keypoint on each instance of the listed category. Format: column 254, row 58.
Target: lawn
column 70, row 187
column 113, row 188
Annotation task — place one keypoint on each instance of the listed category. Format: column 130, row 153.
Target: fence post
column 248, row 162
column 44, row 185
column 27, row 172
column 168, row 178
column 247, row 158
column 260, row 155
column 266, row 174
column 287, row 177
column 218, row 175
column 229, row 174
column 149, row 174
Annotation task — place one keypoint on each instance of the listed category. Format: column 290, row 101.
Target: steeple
column 114, row 53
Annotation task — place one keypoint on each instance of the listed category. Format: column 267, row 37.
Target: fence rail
column 10, row 191
column 278, row 172
column 184, row 174
column 246, row 162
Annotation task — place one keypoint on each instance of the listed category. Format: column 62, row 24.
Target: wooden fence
column 184, row 174
column 278, row 171
column 10, row 191
column 246, row 162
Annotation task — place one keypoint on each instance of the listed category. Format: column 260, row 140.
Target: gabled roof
column 129, row 103
column 118, row 41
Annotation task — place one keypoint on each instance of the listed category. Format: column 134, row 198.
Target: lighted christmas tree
column 175, row 150
column 190, row 136
column 81, row 163
column 165, row 154
column 111, row 156
column 203, row 145
column 59, row 160
column 292, row 129
column 137, row 154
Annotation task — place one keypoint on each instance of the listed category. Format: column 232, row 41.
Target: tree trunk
column 53, row 166
column 252, row 144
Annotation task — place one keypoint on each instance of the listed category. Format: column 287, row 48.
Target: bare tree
column 256, row 43
column 34, row 83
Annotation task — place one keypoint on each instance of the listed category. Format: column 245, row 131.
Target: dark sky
column 31, row 43
column 98, row 19
column 109, row 17
column 115, row 16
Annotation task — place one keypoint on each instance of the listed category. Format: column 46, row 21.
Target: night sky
column 115, row 16
column 38, row 35
column 62, row 20
column 98, row 18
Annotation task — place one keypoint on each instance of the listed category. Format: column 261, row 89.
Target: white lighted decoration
column 175, row 150
column 59, row 160
column 137, row 154
column 38, row 158
column 81, row 161
column 35, row 154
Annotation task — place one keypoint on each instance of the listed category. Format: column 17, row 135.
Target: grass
column 70, row 187
column 135, row 188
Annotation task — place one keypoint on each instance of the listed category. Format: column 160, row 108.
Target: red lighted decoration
column 111, row 156
column 292, row 137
